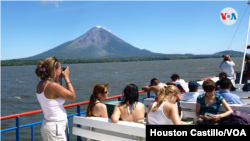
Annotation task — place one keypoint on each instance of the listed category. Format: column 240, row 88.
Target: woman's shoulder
column 140, row 104
column 218, row 97
column 201, row 96
column 100, row 105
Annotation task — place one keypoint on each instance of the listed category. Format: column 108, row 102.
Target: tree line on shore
column 17, row 62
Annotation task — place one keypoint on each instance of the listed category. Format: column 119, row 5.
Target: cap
column 193, row 84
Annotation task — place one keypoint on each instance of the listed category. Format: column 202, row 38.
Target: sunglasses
column 55, row 61
column 175, row 95
column 106, row 92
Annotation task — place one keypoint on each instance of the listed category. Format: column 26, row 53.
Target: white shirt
column 227, row 67
column 53, row 109
column 157, row 117
column 190, row 96
column 183, row 84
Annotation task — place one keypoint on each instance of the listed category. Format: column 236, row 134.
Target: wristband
column 68, row 82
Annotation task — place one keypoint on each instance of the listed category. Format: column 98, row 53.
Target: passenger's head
column 222, row 75
column 225, row 83
column 100, row 92
column 50, row 67
column 170, row 92
column 130, row 94
column 154, row 82
column 226, row 57
column 193, row 86
column 175, row 77
column 208, row 85
column 247, row 57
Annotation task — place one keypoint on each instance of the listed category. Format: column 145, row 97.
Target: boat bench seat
column 103, row 129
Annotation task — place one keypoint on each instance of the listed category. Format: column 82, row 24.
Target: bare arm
column 198, row 109
column 104, row 111
column 227, row 113
column 175, row 116
column 67, row 94
column 149, row 108
column 152, row 88
column 116, row 114
column 170, row 83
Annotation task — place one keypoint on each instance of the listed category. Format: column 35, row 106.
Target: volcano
column 97, row 43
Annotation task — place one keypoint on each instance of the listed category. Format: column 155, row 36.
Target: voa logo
column 228, row 16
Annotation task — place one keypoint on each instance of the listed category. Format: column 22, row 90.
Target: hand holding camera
column 65, row 72
column 209, row 116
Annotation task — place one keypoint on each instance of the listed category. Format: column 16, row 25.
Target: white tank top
column 162, row 84
column 53, row 109
column 157, row 117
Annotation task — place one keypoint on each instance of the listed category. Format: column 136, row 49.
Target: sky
column 29, row 28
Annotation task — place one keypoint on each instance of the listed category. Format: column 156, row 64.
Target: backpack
column 236, row 118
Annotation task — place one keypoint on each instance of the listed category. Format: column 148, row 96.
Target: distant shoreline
column 17, row 62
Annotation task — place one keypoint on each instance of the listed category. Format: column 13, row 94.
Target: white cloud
column 106, row 29
column 53, row 2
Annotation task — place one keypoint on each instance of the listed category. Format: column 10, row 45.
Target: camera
column 222, row 56
column 60, row 80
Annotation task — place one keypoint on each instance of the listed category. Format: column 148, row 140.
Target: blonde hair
column 48, row 65
column 165, row 91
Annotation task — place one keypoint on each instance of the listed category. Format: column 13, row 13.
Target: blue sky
column 29, row 28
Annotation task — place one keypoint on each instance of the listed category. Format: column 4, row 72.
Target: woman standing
column 210, row 103
column 129, row 109
column 96, row 107
column 164, row 111
column 51, row 97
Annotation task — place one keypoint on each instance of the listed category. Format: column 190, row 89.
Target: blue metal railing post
column 1, row 136
column 79, row 114
column 17, row 129
column 148, row 94
column 68, row 129
column 32, row 132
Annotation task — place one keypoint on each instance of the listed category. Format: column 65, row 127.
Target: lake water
column 18, row 84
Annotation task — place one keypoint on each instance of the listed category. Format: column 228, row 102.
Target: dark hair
column 154, row 80
column 225, row 83
column 223, row 74
column 192, row 89
column 247, row 56
column 99, row 88
column 226, row 57
column 130, row 94
column 208, row 85
column 174, row 76
column 48, row 65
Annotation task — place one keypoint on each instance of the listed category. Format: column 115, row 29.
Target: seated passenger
column 96, row 108
column 129, row 109
column 180, row 83
column 164, row 111
column 217, row 84
column 230, row 98
column 155, row 87
column 192, row 95
column 210, row 103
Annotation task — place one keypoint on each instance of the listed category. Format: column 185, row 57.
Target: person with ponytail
column 164, row 111
column 96, row 108
column 52, row 96
column 129, row 109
